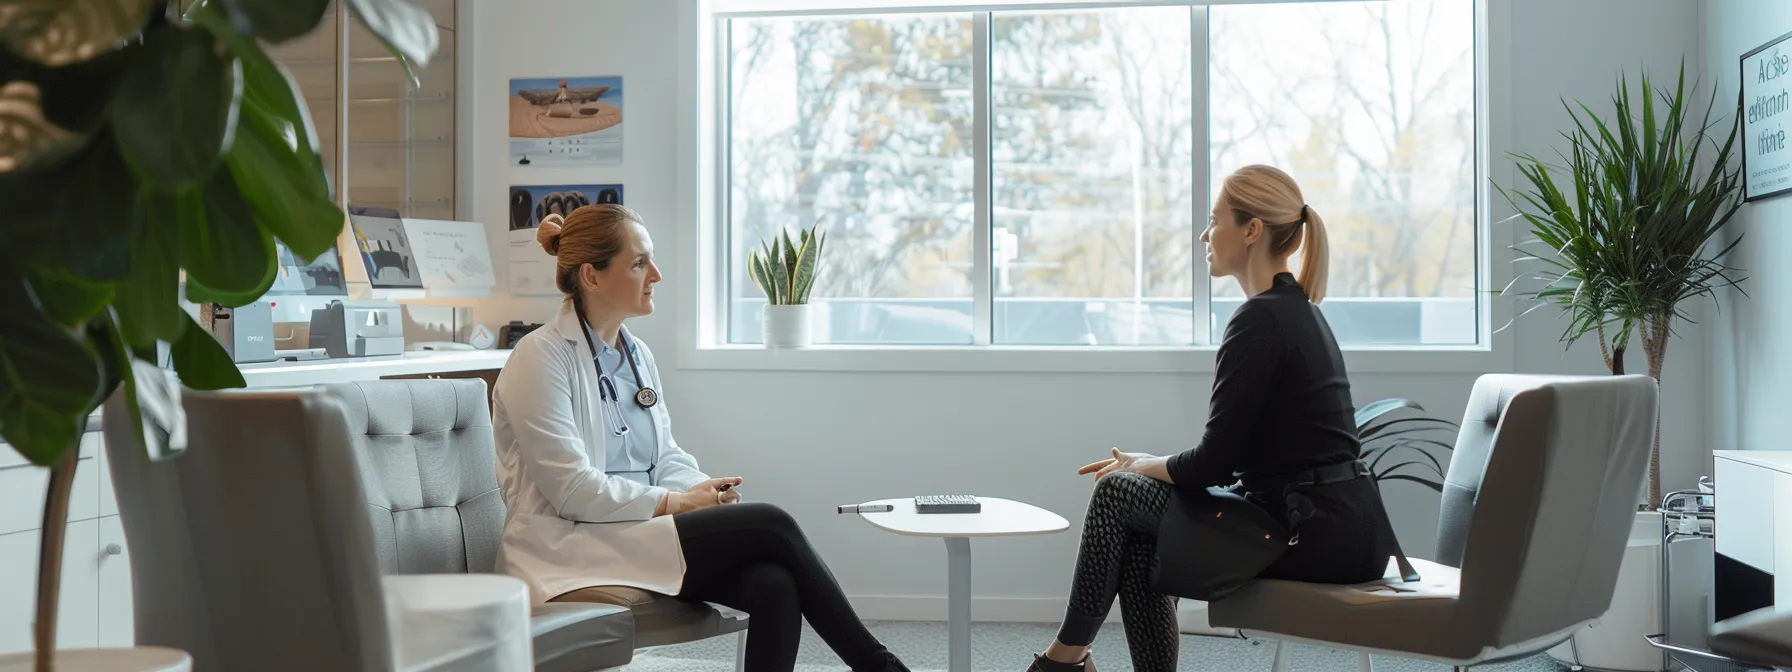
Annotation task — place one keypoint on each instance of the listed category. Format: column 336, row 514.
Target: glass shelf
column 400, row 145
column 432, row 99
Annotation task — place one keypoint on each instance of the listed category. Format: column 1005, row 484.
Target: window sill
column 1066, row 359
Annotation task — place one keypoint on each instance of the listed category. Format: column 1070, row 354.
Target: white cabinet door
column 22, row 495
column 1745, row 519
column 116, row 621
column 1782, row 539
column 78, row 607
column 108, row 501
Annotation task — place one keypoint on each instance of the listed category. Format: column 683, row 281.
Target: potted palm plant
column 140, row 140
column 1620, row 253
column 785, row 271
column 1631, row 243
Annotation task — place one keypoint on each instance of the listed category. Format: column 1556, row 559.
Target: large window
column 1104, row 134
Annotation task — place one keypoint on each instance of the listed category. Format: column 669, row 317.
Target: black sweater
column 1281, row 401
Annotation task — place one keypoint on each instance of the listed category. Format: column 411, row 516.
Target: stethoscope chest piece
column 645, row 396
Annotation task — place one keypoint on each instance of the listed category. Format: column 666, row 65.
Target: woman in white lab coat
column 601, row 495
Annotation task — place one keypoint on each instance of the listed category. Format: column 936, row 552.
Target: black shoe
column 1044, row 664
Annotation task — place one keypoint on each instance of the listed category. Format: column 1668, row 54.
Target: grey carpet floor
column 1008, row 647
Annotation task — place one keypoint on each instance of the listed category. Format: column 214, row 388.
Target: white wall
column 1750, row 374
column 810, row 440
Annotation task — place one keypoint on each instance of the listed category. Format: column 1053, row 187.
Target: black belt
column 1288, row 485
column 1326, row 475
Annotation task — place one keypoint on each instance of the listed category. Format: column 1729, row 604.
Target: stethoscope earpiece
column 606, row 392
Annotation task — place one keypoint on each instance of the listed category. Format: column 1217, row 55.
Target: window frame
column 705, row 86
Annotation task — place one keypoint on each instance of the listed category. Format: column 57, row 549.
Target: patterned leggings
column 1117, row 557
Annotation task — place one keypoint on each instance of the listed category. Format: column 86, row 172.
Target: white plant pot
column 787, row 326
column 1616, row 641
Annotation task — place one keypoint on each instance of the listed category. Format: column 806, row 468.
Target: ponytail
column 1315, row 253
column 1268, row 194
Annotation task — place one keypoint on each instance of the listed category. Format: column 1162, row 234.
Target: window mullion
column 982, row 289
column 720, row 329
column 1202, row 296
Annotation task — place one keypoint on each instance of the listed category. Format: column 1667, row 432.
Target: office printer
column 358, row 328
column 246, row 332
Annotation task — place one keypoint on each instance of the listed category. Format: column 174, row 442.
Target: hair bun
column 548, row 233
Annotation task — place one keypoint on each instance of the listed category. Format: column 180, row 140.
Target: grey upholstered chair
column 250, row 550
column 1538, row 502
column 1760, row 637
column 429, row 463
column 254, row 549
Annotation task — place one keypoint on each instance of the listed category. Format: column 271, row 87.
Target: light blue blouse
column 632, row 455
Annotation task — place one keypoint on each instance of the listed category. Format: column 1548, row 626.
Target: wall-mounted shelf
column 430, row 99
column 401, row 144
column 415, row 202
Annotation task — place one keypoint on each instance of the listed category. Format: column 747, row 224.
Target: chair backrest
column 428, row 464
column 251, row 548
column 1540, row 497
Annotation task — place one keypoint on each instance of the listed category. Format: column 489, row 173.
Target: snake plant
column 785, row 270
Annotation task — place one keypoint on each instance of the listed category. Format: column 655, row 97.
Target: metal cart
column 1687, row 515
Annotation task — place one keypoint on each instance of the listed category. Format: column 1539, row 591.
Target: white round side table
column 998, row 518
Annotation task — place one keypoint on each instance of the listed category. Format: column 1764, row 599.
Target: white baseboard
column 983, row 609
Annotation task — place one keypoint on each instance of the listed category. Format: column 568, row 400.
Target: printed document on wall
column 453, row 257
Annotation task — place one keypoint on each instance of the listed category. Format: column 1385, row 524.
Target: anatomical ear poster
column 566, row 121
column 532, row 268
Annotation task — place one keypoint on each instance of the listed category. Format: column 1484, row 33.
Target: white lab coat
column 571, row 526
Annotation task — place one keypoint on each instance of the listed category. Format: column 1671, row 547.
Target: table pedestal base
column 958, row 601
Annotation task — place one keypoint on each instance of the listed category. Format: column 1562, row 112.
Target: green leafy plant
column 140, row 139
column 785, row 271
column 1632, row 241
column 1386, row 432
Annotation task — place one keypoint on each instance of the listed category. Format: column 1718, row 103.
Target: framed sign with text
column 1766, row 106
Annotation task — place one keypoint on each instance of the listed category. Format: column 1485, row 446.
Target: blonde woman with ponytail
column 1280, row 431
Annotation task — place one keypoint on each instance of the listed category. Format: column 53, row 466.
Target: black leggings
column 754, row 558
column 1117, row 557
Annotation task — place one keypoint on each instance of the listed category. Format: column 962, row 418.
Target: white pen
column 864, row 508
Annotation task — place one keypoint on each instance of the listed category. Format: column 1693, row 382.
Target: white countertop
column 347, row 369
column 1777, row 460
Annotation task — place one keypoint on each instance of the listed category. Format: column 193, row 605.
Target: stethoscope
column 606, row 387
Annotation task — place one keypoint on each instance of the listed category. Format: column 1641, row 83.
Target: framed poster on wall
column 531, row 268
column 1766, row 106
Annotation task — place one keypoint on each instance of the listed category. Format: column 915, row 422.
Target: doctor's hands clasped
column 710, row 493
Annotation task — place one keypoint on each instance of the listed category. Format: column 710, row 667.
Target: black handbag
column 1213, row 542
